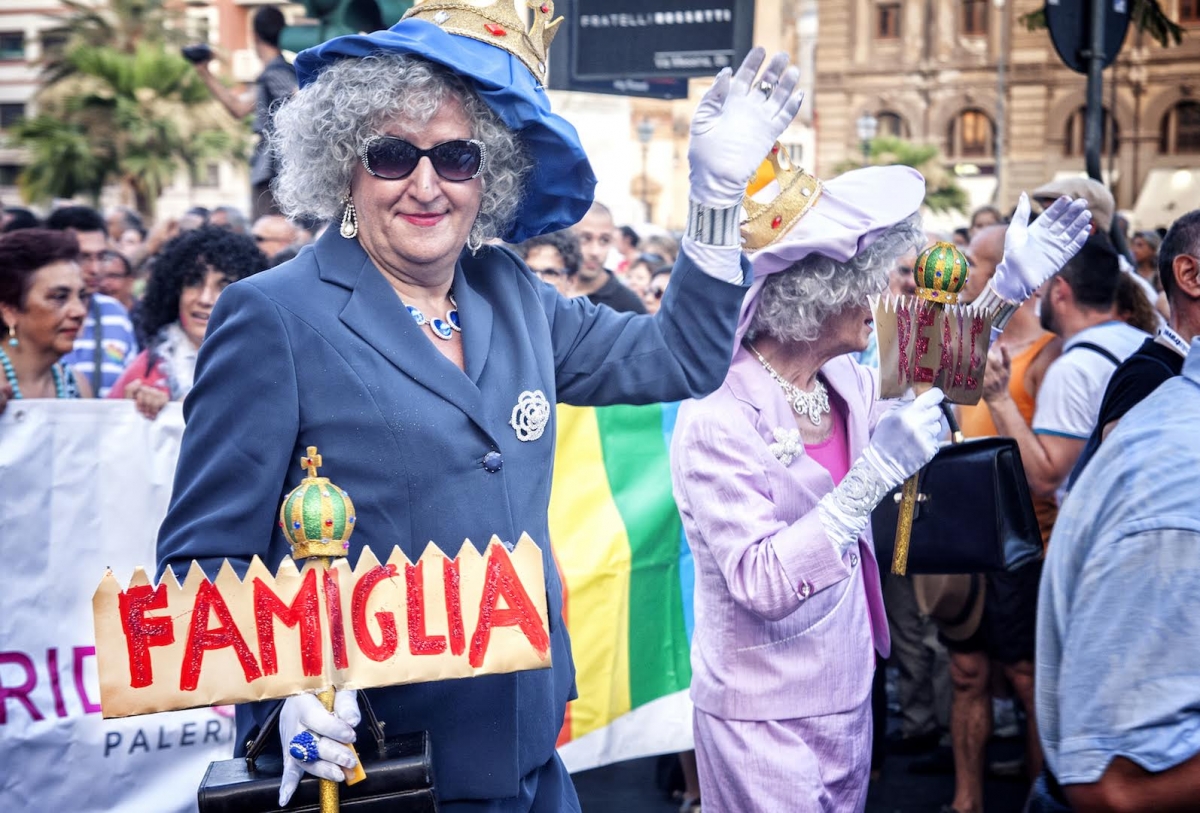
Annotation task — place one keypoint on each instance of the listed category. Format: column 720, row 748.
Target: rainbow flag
column 627, row 575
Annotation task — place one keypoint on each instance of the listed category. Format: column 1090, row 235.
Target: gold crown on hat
column 798, row 191
column 496, row 22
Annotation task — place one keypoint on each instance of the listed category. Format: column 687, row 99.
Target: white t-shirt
column 1068, row 402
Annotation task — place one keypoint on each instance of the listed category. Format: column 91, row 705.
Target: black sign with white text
column 642, row 39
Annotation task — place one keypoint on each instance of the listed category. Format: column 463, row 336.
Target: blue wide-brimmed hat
column 560, row 189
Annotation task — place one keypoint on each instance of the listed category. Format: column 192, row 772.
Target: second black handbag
column 973, row 514
column 399, row 776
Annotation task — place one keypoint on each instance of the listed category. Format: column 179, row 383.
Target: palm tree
column 1145, row 15
column 942, row 192
column 131, row 117
column 118, row 24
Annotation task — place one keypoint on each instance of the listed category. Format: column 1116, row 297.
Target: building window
column 8, row 174
column 975, row 17
column 795, row 153
column 971, row 135
column 53, row 42
column 1075, row 135
column 10, row 114
column 892, row 125
column 206, row 176
column 887, row 21
column 1189, row 11
column 1180, row 131
column 12, row 45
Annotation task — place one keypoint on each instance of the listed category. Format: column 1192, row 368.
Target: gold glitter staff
column 317, row 518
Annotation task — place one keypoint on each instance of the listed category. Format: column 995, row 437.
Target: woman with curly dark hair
column 189, row 274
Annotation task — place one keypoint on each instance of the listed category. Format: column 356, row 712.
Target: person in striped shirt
column 106, row 344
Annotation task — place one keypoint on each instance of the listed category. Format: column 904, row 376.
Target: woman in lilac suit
column 776, row 475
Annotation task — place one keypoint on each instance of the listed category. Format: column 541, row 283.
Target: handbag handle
column 255, row 747
column 956, row 434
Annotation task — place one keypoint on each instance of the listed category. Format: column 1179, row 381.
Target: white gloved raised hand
column 1033, row 254
column 305, row 712
column 736, row 124
column 905, row 439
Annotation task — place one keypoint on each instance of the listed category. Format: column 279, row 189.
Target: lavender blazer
column 784, row 627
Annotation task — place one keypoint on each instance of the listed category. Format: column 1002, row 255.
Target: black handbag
column 973, row 513
column 399, row 779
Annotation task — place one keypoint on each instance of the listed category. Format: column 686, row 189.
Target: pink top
column 833, row 454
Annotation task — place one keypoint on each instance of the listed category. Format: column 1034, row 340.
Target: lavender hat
column 850, row 214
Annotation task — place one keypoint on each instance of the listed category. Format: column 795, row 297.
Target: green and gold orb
column 317, row 517
column 941, row 272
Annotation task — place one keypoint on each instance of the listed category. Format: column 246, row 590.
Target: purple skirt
column 818, row 764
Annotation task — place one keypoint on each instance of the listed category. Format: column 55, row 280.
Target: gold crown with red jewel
column 496, row 22
column 798, row 191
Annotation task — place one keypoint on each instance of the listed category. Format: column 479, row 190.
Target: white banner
column 83, row 486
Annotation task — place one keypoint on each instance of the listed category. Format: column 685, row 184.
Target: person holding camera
column 276, row 83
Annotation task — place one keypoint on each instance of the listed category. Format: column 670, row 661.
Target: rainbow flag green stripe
column 617, row 538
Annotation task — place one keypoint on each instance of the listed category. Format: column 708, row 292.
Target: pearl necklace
column 442, row 328
column 60, row 387
column 810, row 404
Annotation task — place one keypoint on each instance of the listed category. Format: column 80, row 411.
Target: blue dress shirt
column 1118, row 669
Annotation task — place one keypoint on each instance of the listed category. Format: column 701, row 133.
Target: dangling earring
column 349, row 220
column 474, row 243
column 12, row 336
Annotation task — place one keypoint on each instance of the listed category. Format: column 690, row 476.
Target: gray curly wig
column 319, row 131
column 794, row 304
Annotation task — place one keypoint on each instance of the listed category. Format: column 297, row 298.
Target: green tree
column 1146, row 16
column 134, row 118
column 119, row 24
column 942, row 192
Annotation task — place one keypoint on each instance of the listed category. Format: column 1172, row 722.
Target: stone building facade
column 967, row 76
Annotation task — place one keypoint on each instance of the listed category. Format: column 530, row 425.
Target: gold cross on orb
column 312, row 462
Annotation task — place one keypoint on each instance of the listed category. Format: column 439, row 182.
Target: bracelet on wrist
column 714, row 226
column 997, row 307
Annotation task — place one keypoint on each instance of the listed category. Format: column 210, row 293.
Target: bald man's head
column 984, row 252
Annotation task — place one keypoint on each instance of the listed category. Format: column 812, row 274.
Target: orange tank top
column 976, row 422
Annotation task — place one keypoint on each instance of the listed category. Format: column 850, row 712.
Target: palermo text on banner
column 87, row 484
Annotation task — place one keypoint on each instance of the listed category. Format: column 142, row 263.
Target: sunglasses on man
column 394, row 159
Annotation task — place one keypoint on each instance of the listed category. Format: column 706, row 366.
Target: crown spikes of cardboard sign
column 496, row 22
column 238, row 639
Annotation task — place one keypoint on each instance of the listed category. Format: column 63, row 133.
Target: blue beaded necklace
column 442, row 328
column 60, row 386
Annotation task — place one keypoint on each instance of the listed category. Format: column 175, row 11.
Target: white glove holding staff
column 736, row 124
column 905, row 439
column 314, row 739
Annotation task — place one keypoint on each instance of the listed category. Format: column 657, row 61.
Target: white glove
column 736, row 124
column 1033, row 254
column 305, row 712
column 905, row 439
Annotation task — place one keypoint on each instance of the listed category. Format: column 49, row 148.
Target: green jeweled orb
column 317, row 517
column 940, row 273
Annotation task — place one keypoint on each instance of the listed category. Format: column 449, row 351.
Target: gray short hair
column 319, row 131
column 794, row 303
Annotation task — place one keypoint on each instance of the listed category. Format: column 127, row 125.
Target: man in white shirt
column 1078, row 304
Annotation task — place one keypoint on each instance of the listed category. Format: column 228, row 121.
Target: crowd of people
column 402, row 186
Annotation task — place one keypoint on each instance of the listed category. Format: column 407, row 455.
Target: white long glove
column 1033, row 254
column 736, row 124
column 305, row 712
column 905, row 439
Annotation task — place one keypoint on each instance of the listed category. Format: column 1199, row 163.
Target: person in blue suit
column 424, row 363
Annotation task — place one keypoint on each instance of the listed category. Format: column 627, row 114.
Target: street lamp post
column 645, row 132
column 867, row 125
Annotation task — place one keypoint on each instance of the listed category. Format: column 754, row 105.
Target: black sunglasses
column 394, row 159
